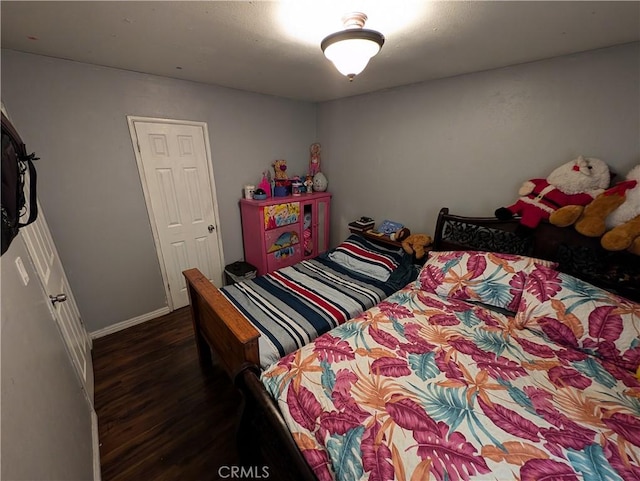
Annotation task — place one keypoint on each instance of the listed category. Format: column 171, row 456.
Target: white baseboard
column 97, row 472
column 129, row 323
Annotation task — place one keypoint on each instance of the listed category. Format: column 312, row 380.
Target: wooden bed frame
column 263, row 437
column 220, row 327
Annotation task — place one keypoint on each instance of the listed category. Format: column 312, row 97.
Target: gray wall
column 73, row 116
column 46, row 421
column 465, row 142
column 468, row 142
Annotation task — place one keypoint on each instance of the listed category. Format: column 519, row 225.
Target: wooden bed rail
column 218, row 326
column 263, row 436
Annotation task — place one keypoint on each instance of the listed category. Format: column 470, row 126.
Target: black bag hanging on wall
column 16, row 166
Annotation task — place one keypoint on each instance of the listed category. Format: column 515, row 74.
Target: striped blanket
column 294, row 305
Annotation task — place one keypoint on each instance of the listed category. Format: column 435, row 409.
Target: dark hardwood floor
column 160, row 416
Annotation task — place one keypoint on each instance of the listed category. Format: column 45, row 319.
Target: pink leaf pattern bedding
column 578, row 315
column 422, row 387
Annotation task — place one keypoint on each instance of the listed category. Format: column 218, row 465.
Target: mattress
column 292, row 306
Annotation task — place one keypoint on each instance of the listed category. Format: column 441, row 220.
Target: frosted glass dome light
column 351, row 49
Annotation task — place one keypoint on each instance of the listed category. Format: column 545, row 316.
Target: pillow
column 576, row 314
column 490, row 278
column 366, row 258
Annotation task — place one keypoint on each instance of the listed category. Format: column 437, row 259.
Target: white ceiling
column 273, row 47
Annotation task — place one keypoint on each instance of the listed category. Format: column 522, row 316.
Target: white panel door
column 45, row 257
column 174, row 162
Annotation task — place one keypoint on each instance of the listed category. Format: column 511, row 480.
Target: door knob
column 58, row 298
column 211, row 228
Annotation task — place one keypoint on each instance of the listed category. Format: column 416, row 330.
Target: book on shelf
column 357, row 228
column 361, row 225
column 388, row 227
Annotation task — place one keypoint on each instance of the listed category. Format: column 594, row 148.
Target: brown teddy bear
column 416, row 243
column 614, row 215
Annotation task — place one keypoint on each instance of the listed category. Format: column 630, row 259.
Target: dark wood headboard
column 577, row 255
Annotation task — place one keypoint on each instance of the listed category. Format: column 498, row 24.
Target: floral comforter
column 423, row 387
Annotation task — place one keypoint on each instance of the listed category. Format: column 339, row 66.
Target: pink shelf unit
column 280, row 231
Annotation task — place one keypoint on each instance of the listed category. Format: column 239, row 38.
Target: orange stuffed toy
column 614, row 215
column 416, row 243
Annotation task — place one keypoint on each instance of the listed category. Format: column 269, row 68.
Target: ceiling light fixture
column 351, row 49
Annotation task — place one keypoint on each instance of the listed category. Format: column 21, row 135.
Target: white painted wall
column 46, row 420
column 468, row 142
column 73, row 116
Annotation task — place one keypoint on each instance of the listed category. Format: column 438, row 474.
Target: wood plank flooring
column 160, row 416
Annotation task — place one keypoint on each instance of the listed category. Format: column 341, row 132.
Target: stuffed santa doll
column 574, row 183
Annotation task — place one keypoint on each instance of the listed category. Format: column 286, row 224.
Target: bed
column 508, row 358
column 261, row 320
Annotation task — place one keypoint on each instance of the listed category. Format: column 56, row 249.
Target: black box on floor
column 239, row 271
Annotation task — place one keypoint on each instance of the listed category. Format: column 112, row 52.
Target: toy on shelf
column 282, row 186
column 296, row 186
column 260, row 194
column 576, row 182
column 614, row 215
column 249, row 190
column 400, row 235
column 280, row 169
column 265, row 184
column 308, row 184
column 314, row 162
column 320, row 182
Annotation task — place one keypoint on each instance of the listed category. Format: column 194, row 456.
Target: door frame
column 131, row 120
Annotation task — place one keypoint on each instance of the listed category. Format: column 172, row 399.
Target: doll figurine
column 308, row 183
column 314, row 163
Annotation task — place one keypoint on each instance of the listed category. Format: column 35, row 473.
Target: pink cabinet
column 281, row 231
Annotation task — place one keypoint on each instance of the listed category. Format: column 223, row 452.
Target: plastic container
column 280, row 191
column 259, row 194
column 248, row 191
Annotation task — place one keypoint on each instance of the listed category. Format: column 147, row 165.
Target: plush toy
column 416, row 243
column 614, row 215
column 280, row 170
column 576, row 182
